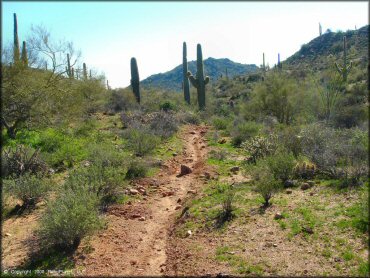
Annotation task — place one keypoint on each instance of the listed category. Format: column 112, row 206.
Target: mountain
column 172, row 80
column 315, row 54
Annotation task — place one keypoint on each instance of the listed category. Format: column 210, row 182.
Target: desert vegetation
column 255, row 164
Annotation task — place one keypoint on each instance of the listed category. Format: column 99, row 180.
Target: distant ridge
column 172, row 80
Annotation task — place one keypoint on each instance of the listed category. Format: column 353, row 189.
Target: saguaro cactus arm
column 192, row 79
column 206, row 80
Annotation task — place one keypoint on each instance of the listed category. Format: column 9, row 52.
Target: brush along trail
column 136, row 238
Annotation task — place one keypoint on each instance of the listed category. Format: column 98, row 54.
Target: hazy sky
column 110, row 33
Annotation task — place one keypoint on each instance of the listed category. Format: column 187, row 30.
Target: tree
column 31, row 95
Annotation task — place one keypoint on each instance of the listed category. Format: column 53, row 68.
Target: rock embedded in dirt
column 135, row 215
column 192, row 191
column 174, row 154
column 234, row 169
column 305, row 186
column 184, row 170
column 178, row 207
column 290, row 183
column 192, row 132
column 133, row 191
column 142, row 218
column 278, row 216
column 188, row 233
column 133, row 262
column 207, row 175
column 307, row 230
column 222, row 141
column 289, row 191
column 179, row 200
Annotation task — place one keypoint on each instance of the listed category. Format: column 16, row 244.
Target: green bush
column 51, row 140
column 243, row 132
column 30, row 189
column 141, row 141
column 103, row 181
column 220, row 123
column 105, row 155
column 265, row 183
column 70, row 217
column 188, row 118
column 281, row 165
column 291, row 140
column 260, row 147
column 136, row 169
column 167, row 106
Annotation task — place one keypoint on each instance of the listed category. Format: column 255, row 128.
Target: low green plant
column 220, row 123
column 141, row 142
column 136, row 169
column 30, row 189
column 69, row 218
column 243, row 132
column 281, row 164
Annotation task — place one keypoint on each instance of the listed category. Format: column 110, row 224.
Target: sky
column 110, row 33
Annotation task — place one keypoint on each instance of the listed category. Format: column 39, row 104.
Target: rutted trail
column 136, row 238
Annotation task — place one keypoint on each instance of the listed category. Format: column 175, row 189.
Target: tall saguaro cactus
column 263, row 64
column 199, row 82
column 68, row 69
column 320, row 29
column 84, row 71
column 185, row 81
column 346, row 68
column 135, row 81
column 279, row 65
column 16, row 53
column 24, row 55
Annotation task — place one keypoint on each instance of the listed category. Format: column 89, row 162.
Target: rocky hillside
column 172, row 80
column 316, row 53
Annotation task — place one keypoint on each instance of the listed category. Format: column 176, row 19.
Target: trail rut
column 136, row 238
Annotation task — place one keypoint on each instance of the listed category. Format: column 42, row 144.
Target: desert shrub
column 220, row 123
column 304, row 169
column 103, row 181
column 20, row 160
column 163, row 124
column 227, row 207
column 290, row 139
column 28, row 188
column 259, row 147
column 281, row 165
column 51, row 140
column 132, row 119
column 337, row 153
column 141, row 141
column 136, row 169
column 188, row 118
column 265, row 183
column 218, row 154
column 244, row 131
column 167, row 106
column 120, row 100
column 105, row 155
column 69, row 218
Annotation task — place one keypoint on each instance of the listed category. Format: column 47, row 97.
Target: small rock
column 307, row 230
column 179, row 200
column 192, row 191
column 178, row 207
column 278, row 216
column 7, row 234
column 336, row 259
column 135, row 215
column 207, row 175
column 290, row 183
column 142, row 218
column 275, row 245
column 312, row 193
column 305, row 186
column 188, row 233
column 289, row 191
column 235, row 169
column 174, row 154
column 311, row 183
column 87, row 164
column 132, row 262
column 184, row 170
column 222, row 141
column 133, row 191
column 192, row 132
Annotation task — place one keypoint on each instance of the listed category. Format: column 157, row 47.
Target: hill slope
column 330, row 45
column 172, row 80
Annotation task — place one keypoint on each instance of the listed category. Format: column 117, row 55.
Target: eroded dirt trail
column 136, row 238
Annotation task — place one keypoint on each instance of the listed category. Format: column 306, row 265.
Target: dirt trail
column 132, row 245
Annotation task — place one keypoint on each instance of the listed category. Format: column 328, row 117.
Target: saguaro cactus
column 68, row 69
column 84, row 71
column 16, row 53
column 227, row 77
column 185, row 83
column 346, row 68
column 24, row 55
column 320, row 29
column 135, row 81
column 199, row 82
column 263, row 64
column 279, row 65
